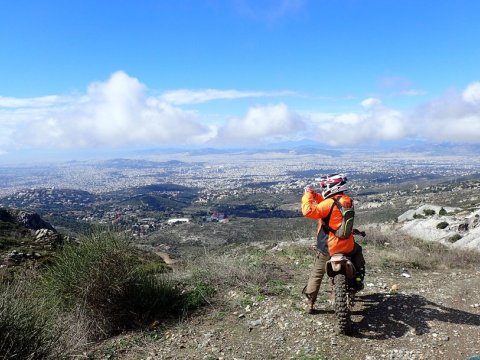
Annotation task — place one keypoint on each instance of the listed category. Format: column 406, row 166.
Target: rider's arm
column 314, row 207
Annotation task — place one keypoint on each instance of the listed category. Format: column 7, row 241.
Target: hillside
column 239, row 282
column 453, row 227
column 421, row 301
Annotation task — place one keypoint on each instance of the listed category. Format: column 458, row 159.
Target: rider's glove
column 309, row 189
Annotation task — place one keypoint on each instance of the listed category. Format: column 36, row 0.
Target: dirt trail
column 433, row 315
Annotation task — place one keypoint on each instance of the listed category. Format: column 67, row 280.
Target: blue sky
column 114, row 74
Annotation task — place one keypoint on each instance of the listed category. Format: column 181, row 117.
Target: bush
column 199, row 295
column 442, row 225
column 27, row 324
column 454, row 238
column 442, row 212
column 429, row 212
column 103, row 277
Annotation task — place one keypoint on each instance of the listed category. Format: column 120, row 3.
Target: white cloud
column 43, row 101
column 472, row 93
column 260, row 123
column 116, row 112
column 185, row 96
column 455, row 117
column 375, row 123
column 413, row 92
column 370, row 102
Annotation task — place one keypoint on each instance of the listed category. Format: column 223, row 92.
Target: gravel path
column 417, row 315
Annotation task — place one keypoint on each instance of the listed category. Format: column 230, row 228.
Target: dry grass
column 396, row 251
column 249, row 270
column 31, row 326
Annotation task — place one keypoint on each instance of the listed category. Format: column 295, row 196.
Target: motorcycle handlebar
column 358, row 232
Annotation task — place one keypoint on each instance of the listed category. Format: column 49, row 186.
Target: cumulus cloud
column 116, row 112
column 261, row 123
column 119, row 112
column 185, row 96
column 472, row 93
column 370, row 102
column 375, row 123
column 454, row 117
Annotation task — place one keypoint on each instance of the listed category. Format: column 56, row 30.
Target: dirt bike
column 345, row 285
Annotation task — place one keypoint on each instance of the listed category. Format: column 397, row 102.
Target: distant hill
column 313, row 147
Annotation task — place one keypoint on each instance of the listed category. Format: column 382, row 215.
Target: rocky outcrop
column 47, row 237
column 450, row 226
column 27, row 219
column 33, row 221
column 24, row 236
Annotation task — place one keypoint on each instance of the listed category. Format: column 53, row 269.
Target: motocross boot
column 359, row 277
column 311, row 302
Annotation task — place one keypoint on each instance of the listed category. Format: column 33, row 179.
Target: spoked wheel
column 342, row 310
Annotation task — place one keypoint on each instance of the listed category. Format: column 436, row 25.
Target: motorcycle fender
column 349, row 269
column 336, row 266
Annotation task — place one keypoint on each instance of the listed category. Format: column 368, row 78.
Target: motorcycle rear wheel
column 342, row 311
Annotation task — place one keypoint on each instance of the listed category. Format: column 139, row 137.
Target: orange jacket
column 315, row 207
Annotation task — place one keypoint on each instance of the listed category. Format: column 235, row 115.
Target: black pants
column 358, row 260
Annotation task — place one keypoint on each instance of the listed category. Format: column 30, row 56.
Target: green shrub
column 418, row 216
column 27, row 324
column 454, row 238
column 442, row 212
column 199, row 295
column 103, row 276
column 442, row 225
column 429, row 212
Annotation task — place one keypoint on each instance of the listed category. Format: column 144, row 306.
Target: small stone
column 254, row 323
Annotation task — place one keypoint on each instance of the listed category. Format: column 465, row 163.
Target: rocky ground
column 401, row 314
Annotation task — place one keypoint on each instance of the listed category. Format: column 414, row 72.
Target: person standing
column 326, row 207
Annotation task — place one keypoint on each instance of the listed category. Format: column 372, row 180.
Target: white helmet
column 332, row 184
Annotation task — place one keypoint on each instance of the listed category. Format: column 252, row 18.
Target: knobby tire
column 342, row 311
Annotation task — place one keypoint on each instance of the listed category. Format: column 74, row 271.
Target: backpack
column 346, row 227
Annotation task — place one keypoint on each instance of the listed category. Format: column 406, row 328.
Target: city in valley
column 245, row 189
